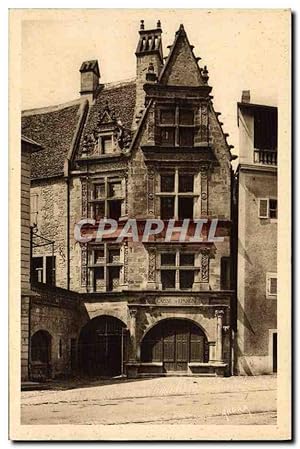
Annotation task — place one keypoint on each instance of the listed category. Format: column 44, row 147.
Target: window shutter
column 263, row 207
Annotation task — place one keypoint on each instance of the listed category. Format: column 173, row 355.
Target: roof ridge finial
column 158, row 25
column 142, row 26
column 204, row 74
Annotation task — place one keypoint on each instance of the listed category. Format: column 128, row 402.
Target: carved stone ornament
column 107, row 122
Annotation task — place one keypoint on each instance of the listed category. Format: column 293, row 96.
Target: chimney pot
column 246, row 96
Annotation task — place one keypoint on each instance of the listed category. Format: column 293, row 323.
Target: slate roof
column 54, row 129
column 120, row 98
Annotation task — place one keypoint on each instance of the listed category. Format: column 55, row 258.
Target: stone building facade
column 256, row 343
column 148, row 148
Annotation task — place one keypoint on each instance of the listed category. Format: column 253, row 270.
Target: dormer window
column 176, row 127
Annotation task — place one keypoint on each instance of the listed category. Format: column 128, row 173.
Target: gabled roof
column 54, row 128
column 181, row 52
column 119, row 98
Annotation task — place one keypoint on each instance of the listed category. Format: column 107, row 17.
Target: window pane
column 99, row 283
column 115, row 189
column 186, row 279
column 113, row 278
column 167, row 183
column 50, row 270
column 225, row 273
column 37, row 269
column 187, row 259
column 98, row 210
column 167, row 208
column 273, row 286
column 114, row 209
column 185, row 208
column 265, row 129
column 186, row 137
column 186, row 117
column 107, row 146
column 99, row 255
column 273, row 208
column 186, row 183
column 167, row 117
column 99, row 191
column 168, row 259
column 168, row 279
column 263, row 208
column 167, row 136
column 114, row 255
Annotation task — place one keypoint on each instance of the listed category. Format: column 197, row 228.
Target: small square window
column 167, row 183
column 186, row 183
column 271, row 285
column 168, row 279
column 168, row 259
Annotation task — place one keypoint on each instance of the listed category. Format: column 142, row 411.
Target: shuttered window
column 271, row 285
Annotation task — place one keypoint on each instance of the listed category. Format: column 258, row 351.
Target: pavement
column 163, row 400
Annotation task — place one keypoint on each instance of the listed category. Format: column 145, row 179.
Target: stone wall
column 52, row 223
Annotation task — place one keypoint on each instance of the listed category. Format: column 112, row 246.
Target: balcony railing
column 266, row 157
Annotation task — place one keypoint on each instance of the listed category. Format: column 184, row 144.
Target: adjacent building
column 257, row 210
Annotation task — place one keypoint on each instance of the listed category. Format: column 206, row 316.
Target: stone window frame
column 177, row 125
column 106, row 264
column 177, row 267
column 176, row 194
column 106, row 180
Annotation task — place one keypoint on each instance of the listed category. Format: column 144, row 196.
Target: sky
column 243, row 49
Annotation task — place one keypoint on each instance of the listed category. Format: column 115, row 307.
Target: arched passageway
column 40, row 355
column 175, row 343
column 102, row 347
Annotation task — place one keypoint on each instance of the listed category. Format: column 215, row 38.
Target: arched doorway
column 102, row 347
column 175, row 342
column 40, row 355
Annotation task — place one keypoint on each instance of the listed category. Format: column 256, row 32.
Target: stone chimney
column 89, row 80
column 246, row 96
column 149, row 62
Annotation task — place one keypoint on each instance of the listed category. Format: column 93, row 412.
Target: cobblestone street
column 170, row 400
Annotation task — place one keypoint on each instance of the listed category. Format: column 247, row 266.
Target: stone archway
column 175, row 342
column 102, row 347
